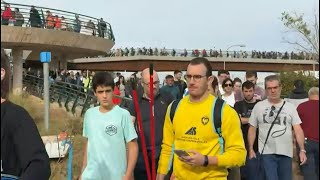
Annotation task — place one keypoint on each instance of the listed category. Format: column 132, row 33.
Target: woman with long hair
column 23, row 154
column 121, row 84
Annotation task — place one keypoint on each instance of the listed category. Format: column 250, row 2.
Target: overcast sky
column 190, row 23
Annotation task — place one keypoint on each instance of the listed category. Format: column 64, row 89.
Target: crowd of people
column 204, row 53
column 256, row 136
column 50, row 21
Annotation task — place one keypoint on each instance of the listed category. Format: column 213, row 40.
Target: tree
column 308, row 33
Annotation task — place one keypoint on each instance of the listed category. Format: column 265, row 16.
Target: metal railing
column 209, row 53
column 67, row 95
column 48, row 18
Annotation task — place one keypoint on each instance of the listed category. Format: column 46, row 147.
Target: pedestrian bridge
column 170, row 63
column 68, row 45
column 37, row 29
column 27, row 30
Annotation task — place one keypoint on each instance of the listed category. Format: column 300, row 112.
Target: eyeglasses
column 226, row 85
column 154, row 83
column 196, row 78
column 271, row 112
column 271, row 88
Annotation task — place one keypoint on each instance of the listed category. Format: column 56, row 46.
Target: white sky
column 189, row 23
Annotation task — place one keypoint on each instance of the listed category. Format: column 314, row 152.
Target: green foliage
column 288, row 78
column 295, row 22
column 307, row 34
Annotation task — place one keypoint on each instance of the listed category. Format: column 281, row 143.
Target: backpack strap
column 218, row 105
column 173, row 108
column 216, row 114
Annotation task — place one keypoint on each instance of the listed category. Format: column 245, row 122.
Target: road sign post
column 45, row 58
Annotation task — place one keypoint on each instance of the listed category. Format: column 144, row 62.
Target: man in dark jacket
column 161, row 102
column 35, row 19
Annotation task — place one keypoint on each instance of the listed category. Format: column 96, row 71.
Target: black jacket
column 298, row 93
column 23, row 153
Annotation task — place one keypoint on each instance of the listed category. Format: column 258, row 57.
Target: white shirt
column 229, row 99
column 221, row 89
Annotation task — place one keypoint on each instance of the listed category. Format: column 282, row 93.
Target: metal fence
column 47, row 18
column 65, row 94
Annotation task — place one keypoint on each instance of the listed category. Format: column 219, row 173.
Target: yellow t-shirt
column 193, row 129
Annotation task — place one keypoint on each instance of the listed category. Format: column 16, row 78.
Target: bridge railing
column 209, row 53
column 38, row 17
column 65, row 94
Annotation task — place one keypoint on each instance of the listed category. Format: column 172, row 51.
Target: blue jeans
column 310, row 170
column 277, row 167
column 250, row 171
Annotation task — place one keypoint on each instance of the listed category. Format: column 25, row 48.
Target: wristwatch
column 206, row 161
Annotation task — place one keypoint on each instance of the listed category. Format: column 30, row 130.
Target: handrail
column 63, row 92
column 210, row 52
column 101, row 28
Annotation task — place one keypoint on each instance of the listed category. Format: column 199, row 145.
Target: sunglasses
column 271, row 112
column 226, row 85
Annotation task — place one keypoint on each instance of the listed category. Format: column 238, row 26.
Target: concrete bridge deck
column 69, row 45
column 167, row 63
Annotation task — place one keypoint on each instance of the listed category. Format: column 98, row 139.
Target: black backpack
column 217, row 116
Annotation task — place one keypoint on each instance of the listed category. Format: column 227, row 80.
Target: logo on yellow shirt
column 192, row 131
column 204, row 120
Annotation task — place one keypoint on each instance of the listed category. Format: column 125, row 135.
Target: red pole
column 152, row 124
column 143, row 141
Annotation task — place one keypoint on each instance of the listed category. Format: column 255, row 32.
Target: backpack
column 217, row 116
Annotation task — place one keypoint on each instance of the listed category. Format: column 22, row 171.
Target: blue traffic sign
column 45, row 57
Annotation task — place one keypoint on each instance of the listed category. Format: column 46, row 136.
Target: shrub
column 288, row 78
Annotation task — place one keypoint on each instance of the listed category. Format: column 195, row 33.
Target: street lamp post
column 235, row 45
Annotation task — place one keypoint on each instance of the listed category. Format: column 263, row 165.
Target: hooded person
column 298, row 95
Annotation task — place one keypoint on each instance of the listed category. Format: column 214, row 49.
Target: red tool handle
column 152, row 125
column 143, row 141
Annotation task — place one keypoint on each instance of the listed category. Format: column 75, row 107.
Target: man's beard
column 249, row 100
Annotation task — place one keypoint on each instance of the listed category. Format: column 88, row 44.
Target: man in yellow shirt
column 192, row 130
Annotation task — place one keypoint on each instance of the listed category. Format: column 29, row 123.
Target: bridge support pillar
column 17, row 55
column 63, row 62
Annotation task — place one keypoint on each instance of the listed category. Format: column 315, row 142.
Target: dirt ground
column 61, row 120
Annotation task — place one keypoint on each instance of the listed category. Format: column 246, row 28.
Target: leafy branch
column 308, row 34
